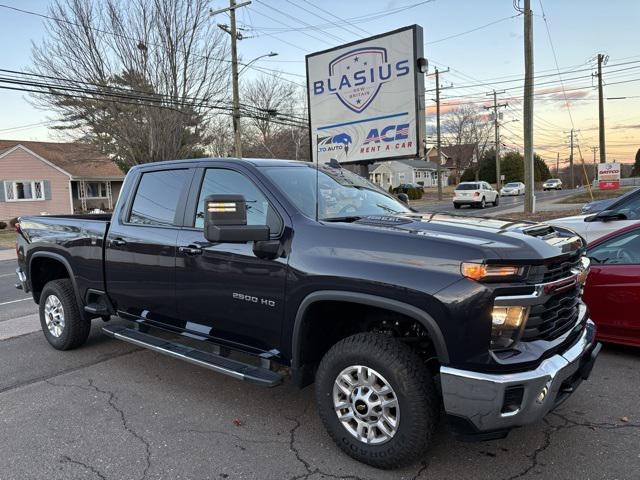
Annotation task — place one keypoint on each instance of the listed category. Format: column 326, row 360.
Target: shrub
column 13, row 222
column 3, row 225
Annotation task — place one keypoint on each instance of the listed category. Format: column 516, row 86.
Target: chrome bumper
column 479, row 397
column 22, row 280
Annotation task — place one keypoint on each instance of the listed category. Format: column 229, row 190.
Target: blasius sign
column 366, row 99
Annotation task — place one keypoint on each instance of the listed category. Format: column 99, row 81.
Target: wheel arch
column 37, row 284
column 410, row 311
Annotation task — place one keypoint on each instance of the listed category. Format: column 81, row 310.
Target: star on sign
column 355, row 59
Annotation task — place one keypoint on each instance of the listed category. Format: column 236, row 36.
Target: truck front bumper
column 498, row 402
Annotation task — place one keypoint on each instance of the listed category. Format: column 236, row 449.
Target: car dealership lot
column 109, row 410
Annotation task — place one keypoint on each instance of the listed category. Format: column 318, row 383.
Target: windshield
column 512, row 185
column 467, row 186
column 342, row 193
column 553, row 180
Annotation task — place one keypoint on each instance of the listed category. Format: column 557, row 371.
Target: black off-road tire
column 406, row 373
column 76, row 329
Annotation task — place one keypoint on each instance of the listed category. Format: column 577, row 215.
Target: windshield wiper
column 388, row 209
column 349, row 218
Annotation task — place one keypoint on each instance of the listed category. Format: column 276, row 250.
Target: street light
column 246, row 65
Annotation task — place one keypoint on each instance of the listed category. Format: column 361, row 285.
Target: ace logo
column 356, row 77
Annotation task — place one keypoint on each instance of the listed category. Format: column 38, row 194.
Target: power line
column 456, row 35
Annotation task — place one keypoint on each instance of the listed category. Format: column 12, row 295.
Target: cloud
column 625, row 127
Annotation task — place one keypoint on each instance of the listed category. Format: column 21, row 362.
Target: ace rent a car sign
column 366, row 99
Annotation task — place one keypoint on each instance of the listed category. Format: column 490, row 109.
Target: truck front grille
column 553, row 318
column 553, row 271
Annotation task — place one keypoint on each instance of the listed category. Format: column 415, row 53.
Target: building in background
column 55, row 178
column 396, row 172
column 456, row 159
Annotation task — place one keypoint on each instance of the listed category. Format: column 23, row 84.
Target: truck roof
column 256, row 162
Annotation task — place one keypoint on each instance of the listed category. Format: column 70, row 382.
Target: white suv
column 477, row 194
column 552, row 184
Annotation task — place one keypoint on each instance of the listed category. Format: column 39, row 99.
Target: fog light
column 542, row 395
column 506, row 325
column 508, row 316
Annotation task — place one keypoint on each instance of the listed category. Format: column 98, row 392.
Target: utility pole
column 557, row 164
column 595, row 165
column 496, row 128
column 529, row 199
column 572, row 180
column 601, row 59
column 235, row 36
column 438, row 139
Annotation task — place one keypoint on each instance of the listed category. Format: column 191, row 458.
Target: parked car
column 512, row 188
column 612, row 290
column 599, row 205
column 623, row 212
column 396, row 316
column 476, row 194
column 552, row 184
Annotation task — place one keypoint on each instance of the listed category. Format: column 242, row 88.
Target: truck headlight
column 506, row 324
column 481, row 271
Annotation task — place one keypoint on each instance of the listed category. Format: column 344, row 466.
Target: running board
column 227, row 366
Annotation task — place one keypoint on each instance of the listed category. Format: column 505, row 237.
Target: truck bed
column 77, row 240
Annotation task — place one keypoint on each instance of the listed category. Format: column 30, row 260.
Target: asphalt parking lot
column 111, row 411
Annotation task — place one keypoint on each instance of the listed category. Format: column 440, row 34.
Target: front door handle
column 118, row 242
column 190, row 250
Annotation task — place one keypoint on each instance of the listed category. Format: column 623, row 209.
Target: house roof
column 420, row 164
column 76, row 159
column 459, row 156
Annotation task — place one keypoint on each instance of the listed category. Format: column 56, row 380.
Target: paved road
column 111, row 411
column 13, row 303
column 506, row 203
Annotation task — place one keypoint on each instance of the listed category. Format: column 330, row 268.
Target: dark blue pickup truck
column 396, row 316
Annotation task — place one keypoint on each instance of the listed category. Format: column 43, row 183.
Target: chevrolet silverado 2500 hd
column 394, row 315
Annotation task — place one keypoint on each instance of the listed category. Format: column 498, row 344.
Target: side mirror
column 403, row 197
column 606, row 216
column 225, row 220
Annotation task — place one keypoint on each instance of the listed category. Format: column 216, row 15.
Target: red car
column 612, row 291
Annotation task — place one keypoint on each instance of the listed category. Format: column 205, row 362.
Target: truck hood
column 505, row 239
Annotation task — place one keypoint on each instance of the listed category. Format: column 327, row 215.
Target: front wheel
column 456, row 206
column 377, row 400
column 60, row 318
column 496, row 202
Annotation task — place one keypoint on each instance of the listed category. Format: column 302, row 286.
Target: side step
column 227, row 366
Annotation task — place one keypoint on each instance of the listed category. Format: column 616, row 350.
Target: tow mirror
column 606, row 216
column 403, row 197
column 225, row 220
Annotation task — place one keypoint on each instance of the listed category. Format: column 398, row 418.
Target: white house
column 395, row 172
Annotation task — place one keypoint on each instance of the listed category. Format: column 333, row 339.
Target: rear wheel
column 377, row 400
column 60, row 318
column 483, row 203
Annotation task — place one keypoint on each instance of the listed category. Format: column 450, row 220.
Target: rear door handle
column 190, row 250
column 118, row 242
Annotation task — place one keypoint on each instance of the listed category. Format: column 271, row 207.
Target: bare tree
column 165, row 57
column 465, row 125
column 220, row 137
column 274, row 119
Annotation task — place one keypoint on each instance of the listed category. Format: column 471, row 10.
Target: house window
column 24, row 190
column 95, row 190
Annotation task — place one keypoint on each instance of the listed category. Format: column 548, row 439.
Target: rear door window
column 158, row 196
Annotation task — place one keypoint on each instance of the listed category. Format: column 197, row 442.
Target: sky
column 481, row 42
